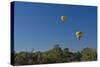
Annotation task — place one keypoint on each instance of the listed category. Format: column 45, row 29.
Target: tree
column 77, row 56
column 88, row 54
column 39, row 57
column 20, row 58
column 66, row 55
column 66, row 52
column 56, row 54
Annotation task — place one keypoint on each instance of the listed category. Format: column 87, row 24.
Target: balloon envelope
column 78, row 35
column 63, row 18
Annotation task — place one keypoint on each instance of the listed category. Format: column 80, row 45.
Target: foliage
column 54, row 55
column 89, row 54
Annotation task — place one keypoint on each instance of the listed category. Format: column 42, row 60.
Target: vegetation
column 54, row 55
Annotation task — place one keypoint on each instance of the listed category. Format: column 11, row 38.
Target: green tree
column 39, row 57
column 66, row 52
column 56, row 54
column 77, row 56
column 20, row 58
column 66, row 55
column 88, row 54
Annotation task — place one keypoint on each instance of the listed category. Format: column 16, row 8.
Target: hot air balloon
column 63, row 18
column 78, row 35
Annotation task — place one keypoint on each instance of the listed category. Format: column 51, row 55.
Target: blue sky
column 39, row 26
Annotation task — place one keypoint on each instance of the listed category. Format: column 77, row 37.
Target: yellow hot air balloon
column 63, row 18
column 78, row 35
